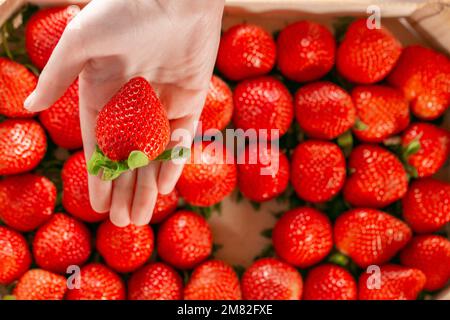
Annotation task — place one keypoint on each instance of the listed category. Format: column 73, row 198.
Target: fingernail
column 28, row 104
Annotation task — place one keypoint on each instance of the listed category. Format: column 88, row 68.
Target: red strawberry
column 329, row 282
column 165, row 205
column 303, row 237
column 43, row 32
column 213, row 280
column 38, row 284
column 75, row 197
column 133, row 120
column 264, row 172
column 15, row 257
column 318, row 170
column 396, row 283
column 16, row 84
column 156, row 281
column 271, row 279
column 433, row 150
column 324, row 110
column 184, row 240
column 367, row 55
column 62, row 120
column 431, row 255
column 382, row 111
column 263, row 103
column 426, row 205
column 61, row 242
column 208, row 177
column 98, row 283
column 377, row 178
column 218, row 108
column 26, row 201
column 424, row 77
column 246, row 51
column 370, row 236
column 125, row 249
column 22, row 146
column 306, row 51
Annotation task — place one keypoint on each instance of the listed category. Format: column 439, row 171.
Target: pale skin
column 171, row 43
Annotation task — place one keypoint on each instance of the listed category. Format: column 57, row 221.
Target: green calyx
column 137, row 159
column 359, row 125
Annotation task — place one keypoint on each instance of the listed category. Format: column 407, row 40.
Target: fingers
column 145, row 196
column 183, row 131
column 64, row 66
column 122, row 198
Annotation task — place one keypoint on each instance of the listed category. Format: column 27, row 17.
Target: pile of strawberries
column 360, row 143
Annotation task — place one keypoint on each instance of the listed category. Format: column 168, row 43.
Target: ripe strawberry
column 38, row 284
column 165, row 205
column 22, row 146
column 43, row 32
column 431, row 255
column 426, row 205
column 370, row 236
column 98, row 283
column 396, row 283
column 15, row 257
column 263, row 103
column 61, row 242
column 125, row 249
column 433, row 150
column 264, row 172
column 377, row 178
column 303, row 237
column 271, row 279
column 133, row 120
column 218, row 108
column 367, row 55
column 424, row 77
column 306, row 51
column 329, row 282
column 208, row 177
column 383, row 111
column 62, row 120
column 75, row 197
column 246, row 51
column 16, row 84
column 184, row 240
column 156, row 281
column 318, row 170
column 26, row 201
column 213, row 280
column 324, row 110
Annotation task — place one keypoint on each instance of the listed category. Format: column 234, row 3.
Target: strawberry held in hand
column 246, row 51
column 213, row 280
column 98, row 283
column 396, row 283
column 156, row 281
column 15, row 257
column 424, row 77
column 16, row 84
column 271, row 279
column 23, row 144
column 43, row 32
column 367, row 55
column 26, row 201
column 305, row 51
column 38, row 284
column 303, row 237
column 370, row 236
column 377, row 178
column 132, row 129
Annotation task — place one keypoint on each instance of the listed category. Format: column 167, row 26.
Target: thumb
column 62, row 69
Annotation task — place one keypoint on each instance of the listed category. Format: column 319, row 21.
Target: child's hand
column 172, row 43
